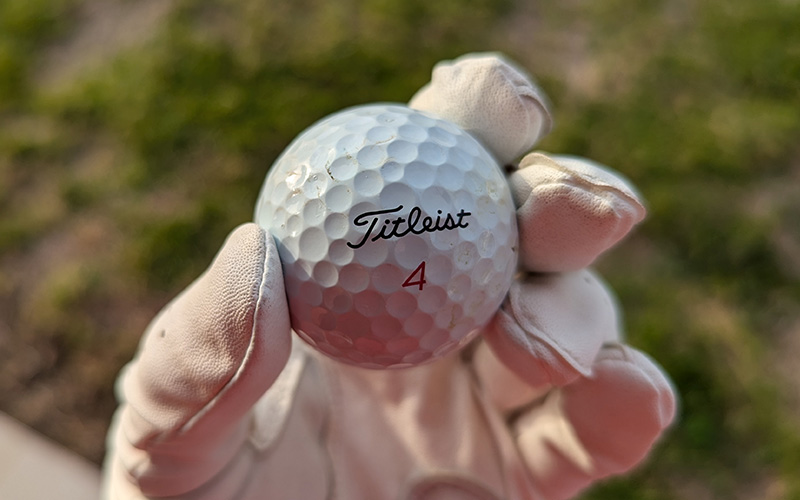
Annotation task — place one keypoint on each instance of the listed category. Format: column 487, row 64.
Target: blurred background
column 134, row 135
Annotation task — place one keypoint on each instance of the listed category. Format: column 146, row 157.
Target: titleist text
column 399, row 226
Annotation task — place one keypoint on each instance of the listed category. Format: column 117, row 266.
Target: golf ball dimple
column 397, row 234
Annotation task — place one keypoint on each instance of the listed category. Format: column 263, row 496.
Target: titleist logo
column 399, row 226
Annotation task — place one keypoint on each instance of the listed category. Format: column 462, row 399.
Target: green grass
column 117, row 186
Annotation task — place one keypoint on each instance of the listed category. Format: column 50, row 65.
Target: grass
column 118, row 185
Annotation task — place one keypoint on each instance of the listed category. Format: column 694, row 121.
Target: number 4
column 420, row 280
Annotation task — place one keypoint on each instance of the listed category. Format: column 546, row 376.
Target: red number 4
column 419, row 272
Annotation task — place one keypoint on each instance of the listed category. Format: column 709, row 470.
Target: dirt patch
column 563, row 55
column 785, row 353
column 104, row 29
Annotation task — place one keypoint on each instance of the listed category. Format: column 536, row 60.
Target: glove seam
column 248, row 353
column 546, row 341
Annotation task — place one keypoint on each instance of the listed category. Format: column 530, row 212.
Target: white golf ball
column 397, row 234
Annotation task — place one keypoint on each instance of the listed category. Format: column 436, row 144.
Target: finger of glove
column 599, row 426
column 205, row 360
column 490, row 98
column 551, row 327
column 570, row 210
column 620, row 411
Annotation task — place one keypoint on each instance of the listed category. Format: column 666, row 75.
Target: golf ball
column 397, row 235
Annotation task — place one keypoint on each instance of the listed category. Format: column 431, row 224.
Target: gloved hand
column 221, row 401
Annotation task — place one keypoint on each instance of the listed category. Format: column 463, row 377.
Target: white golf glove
column 221, row 402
